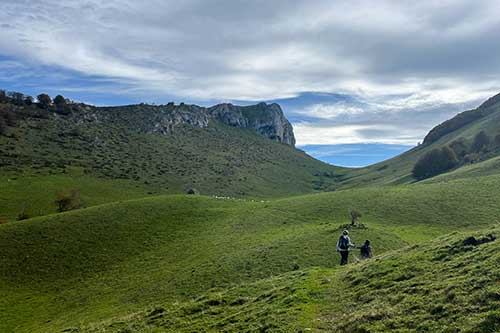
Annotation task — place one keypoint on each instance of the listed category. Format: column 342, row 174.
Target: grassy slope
column 219, row 160
column 398, row 169
column 35, row 191
column 110, row 260
column 441, row 286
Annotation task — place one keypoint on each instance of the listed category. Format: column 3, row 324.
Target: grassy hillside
column 461, row 128
column 219, row 159
column 442, row 286
column 72, row 269
column 33, row 192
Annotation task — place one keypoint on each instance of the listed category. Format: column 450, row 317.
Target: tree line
column 12, row 101
column 457, row 153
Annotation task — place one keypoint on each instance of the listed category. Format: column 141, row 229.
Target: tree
column 17, row 98
column 481, row 141
column 44, row 101
column 3, row 126
column 435, row 162
column 68, row 200
column 59, row 100
column 459, row 147
column 355, row 215
column 28, row 100
column 3, row 96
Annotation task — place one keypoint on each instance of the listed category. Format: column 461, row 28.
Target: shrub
column 192, row 191
column 435, row 162
column 481, row 141
column 68, row 200
column 23, row 215
column 10, row 118
column 471, row 158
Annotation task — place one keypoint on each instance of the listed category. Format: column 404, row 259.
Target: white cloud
column 409, row 65
column 317, row 134
column 264, row 49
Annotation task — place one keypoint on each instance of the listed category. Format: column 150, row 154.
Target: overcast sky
column 346, row 72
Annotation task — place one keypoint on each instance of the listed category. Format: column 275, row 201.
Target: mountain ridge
column 267, row 120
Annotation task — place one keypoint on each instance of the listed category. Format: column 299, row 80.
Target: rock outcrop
column 266, row 119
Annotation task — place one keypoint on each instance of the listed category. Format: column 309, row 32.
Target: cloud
column 396, row 67
column 317, row 134
column 394, row 119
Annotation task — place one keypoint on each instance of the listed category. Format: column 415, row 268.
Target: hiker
column 343, row 246
column 366, row 250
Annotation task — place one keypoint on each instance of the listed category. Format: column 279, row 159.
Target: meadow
column 80, row 269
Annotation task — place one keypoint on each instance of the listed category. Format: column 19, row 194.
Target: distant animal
column 366, row 250
column 343, row 246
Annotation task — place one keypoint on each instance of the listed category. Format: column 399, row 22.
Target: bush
column 435, row 162
column 9, row 117
column 68, row 200
column 192, row 191
column 23, row 215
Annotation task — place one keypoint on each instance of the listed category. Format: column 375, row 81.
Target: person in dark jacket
column 366, row 250
column 343, row 246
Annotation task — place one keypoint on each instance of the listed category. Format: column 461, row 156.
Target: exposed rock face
column 266, row 119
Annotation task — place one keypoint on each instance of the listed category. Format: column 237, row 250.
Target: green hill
column 442, row 286
column 460, row 130
column 112, row 154
column 109, row 261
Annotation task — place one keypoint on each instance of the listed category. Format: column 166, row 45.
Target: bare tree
column 355, row 215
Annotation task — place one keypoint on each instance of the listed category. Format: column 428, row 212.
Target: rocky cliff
column 266, row 119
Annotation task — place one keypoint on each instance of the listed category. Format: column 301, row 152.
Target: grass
column 72, row 269
column 441, row 286
column 34, row 192
column 218, row 160
column 397, row 291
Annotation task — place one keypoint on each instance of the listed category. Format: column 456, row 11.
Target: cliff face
column 266, row 119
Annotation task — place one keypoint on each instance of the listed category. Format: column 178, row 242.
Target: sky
column 361, row 81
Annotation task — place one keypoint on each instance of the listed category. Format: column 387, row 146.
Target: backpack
column 343, row 243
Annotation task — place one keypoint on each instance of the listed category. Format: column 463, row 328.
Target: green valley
column 251, row 248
